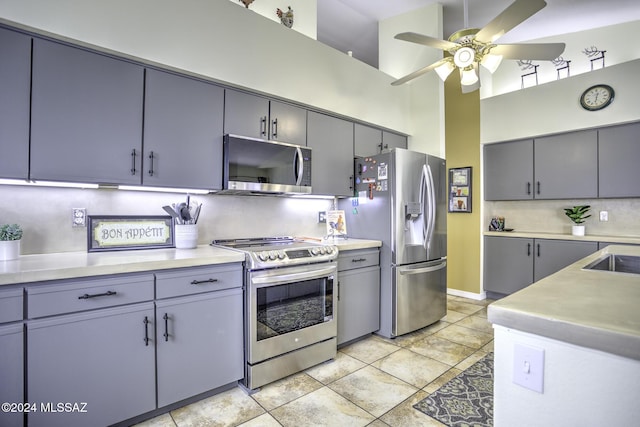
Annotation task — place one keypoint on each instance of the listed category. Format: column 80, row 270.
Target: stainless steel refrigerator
column 401, row 200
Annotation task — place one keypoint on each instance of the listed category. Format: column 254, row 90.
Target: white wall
column 221, row 40
column 399, row 58
column 582, row 387
column 305, row 13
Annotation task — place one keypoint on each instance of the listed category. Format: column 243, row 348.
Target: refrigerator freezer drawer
column 420, row 295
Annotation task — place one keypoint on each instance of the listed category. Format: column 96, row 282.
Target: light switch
column 528, row 367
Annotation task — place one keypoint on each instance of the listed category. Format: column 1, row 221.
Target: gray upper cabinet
column 618, row 155
column 553, row 167
column 182, row 132
column 508, row 170
column 393, row 140
column 86, row 116
column 366, row 140
column 566, row 166
column 257, row 117
column 369, row 141
column 15, row 81
column 331, row 139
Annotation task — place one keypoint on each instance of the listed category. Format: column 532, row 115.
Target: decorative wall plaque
column 113, row 233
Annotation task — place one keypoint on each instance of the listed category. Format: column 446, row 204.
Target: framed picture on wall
column 460, row 189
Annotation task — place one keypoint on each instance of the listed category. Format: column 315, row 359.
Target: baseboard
column 479, row 297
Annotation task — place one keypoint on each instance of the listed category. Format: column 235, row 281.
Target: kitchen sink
column 618, row 263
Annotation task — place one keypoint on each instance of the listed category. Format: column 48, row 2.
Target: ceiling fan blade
column 538, row 51
column 420, row 72
column 513, row 15
column 426, row 40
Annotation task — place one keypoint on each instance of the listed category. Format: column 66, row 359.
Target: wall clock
column 597, row 97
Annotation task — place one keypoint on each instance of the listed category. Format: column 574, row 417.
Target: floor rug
column 466, row 400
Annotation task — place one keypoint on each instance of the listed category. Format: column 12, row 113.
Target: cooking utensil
column 174, row 215
column 196, row 215
column 183, row 211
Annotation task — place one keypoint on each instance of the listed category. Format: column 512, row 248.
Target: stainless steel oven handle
column 410, row 271
column 293, row 277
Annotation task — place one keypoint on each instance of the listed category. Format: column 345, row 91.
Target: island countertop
column 589, row 308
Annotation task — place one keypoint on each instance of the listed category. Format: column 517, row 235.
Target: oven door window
column 290, row 307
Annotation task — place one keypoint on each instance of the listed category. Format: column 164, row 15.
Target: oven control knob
column 272, row 255
column 315, row 251
column 281, row 255
column 263, row 256
column 329, row 250
column 322, row 251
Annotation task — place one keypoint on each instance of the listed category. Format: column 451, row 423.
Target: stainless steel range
column 290, row 309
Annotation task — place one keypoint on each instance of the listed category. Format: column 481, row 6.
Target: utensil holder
column 186, row 236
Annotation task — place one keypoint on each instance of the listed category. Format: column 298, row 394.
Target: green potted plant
column 578, row 215
column 10, row 235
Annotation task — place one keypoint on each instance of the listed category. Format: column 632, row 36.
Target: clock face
column 597, row 97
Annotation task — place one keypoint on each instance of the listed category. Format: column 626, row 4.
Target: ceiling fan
column 471, row 47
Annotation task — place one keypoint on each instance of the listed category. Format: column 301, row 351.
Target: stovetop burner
column 273, row 252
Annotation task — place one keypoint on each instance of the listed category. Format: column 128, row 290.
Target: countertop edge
column 633, row 240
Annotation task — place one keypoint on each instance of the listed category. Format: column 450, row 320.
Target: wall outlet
column 322, row 217
column 78, row 217
column 604, row 216
column 528, row 367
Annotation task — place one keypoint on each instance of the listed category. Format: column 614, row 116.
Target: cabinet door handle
column 538, row 184
column 166, row 327
column 538, row 249
column 146, row 330
column 263, row 126
column 198, row 282
column 151, row 163
column 106, row 294
column 274, row 128
column 383, row 146
column 528, row 249
column 351, row 182
column 528, row 188
column 133, row 161
column 338, row 290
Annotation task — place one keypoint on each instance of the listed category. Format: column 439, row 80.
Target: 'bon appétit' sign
column 110, row 233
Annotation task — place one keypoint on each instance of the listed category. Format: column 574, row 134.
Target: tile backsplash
column 45, row 214
column 547, row 216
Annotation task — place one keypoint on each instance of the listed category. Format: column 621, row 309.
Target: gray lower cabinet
column 513, row 263
column 15, row 81
column 257, row 117
column 182, row 132
column 331, row 140
column 12, row 373
column 358, row 294
column 86, row 116
column 199, row 345
column 561, row 166
column 618, row 155
column 102, row 360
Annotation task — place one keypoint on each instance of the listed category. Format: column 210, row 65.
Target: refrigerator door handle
column 410, row 271
column 425, row 208
column 432, row 205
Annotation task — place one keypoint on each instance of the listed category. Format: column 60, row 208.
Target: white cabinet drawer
column 51, row 298
column 349, row 260
column 196, row 280
column 10, row 305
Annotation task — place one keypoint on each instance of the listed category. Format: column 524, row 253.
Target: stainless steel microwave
column 260, row 166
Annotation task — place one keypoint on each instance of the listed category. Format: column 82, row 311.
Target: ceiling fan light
column 468, row 76
column 444, row 70
column 464, row 57
column 491, row 62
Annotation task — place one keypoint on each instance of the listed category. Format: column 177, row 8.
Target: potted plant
column 10, row 235
column 578, row 215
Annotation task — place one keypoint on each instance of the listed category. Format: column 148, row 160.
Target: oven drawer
column 360, row 258
column 195, row 280
column 68, row 296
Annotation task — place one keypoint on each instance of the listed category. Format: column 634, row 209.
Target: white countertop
column 594, row 309
column 629, row 240
column 66, row 265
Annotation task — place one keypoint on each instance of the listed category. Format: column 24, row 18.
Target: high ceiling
column 351, row 25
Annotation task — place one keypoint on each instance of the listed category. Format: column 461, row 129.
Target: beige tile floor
column 372, row 382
